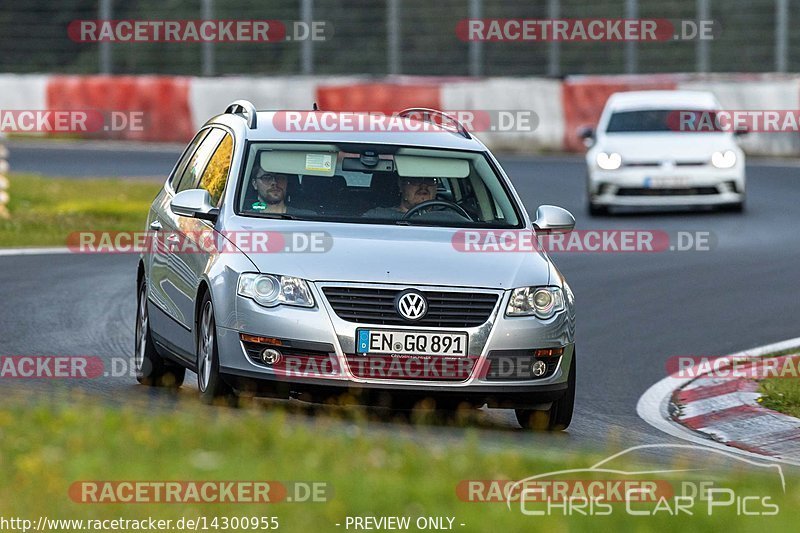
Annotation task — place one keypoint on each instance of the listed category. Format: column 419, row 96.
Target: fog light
column 538, row 368
column 270, row 356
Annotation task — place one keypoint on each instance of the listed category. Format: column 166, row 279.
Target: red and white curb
column 724, row 412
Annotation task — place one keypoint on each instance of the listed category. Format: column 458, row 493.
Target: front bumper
column 666, row 186
column 323, row 329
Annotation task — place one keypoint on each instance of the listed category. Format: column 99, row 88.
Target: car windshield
column 374, row 184
column 663, row 120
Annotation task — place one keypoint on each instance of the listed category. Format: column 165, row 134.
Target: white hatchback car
column 645, row 154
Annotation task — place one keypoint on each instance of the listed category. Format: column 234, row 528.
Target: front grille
column 364, row 305
column 676, row 191
column 643, row 164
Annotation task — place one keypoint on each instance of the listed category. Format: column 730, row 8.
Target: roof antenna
column 316, row 107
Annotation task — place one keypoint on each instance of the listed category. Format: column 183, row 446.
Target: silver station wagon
column 336, row 262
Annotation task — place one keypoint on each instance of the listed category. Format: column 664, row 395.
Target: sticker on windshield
column 319, row 162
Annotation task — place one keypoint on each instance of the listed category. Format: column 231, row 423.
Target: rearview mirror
column 194, row 203
column 587, row 134
column 552, row 219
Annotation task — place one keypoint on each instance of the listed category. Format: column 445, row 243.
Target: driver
column 413, row 191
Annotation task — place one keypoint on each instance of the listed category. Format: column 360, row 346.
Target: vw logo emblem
column 411, row 305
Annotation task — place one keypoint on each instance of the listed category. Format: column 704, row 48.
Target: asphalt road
column 635, row 310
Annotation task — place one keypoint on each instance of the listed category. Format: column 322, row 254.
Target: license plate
column 385, row 341
column 668, row 182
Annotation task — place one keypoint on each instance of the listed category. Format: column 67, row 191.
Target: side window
column 187, row 155
column 216, row 174
column 196, row 165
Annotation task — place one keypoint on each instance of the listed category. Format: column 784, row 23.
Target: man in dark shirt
column 271, row 189
column 413, row 191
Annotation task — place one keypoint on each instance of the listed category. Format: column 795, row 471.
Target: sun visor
column 415, row 166
column 299, row 162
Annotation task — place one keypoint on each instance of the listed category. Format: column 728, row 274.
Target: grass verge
column 44, row 211
column 49, row 444
column 782, row 394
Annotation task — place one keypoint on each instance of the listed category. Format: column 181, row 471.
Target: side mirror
column 194, row 203
column 587, row 134
column 552, row 219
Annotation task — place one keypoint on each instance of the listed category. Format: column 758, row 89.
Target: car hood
column 393, row 254
column 666, row 146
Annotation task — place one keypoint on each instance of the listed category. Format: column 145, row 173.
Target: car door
column 169, row 278
column 157, row 260
column 190, row 264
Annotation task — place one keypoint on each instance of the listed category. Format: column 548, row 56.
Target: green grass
column 781, row 394
column 44, row 211
column 411, row 470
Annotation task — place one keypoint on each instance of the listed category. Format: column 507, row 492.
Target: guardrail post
column 4, row 182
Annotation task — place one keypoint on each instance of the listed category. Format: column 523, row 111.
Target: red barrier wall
column 162, row 100
column 378, row 97
column 584, row 99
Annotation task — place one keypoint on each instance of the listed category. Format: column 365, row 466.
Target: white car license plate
column 668, row 182
column 386, row 341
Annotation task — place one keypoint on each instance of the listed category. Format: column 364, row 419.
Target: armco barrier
column 163, row 102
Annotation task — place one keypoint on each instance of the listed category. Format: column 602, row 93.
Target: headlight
column 543, row 302
column 723, row 159
column 610, row 161
column 269, row 290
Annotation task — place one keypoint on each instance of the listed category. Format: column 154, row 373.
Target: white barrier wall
column 23, row 91
column 753, row 95
column 541, row 96
column 210, row 96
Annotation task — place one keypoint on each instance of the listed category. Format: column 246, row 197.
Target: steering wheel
column 441, row 203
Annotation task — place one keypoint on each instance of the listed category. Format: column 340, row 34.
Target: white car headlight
column 610, row 161
column 269, row 290
column 724, row 159
column 542, row 302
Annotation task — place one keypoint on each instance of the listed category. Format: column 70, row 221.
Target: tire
column 213, row 389
column 738, row 207
column 559, row 416
column 597, row 210
column 151, row 368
